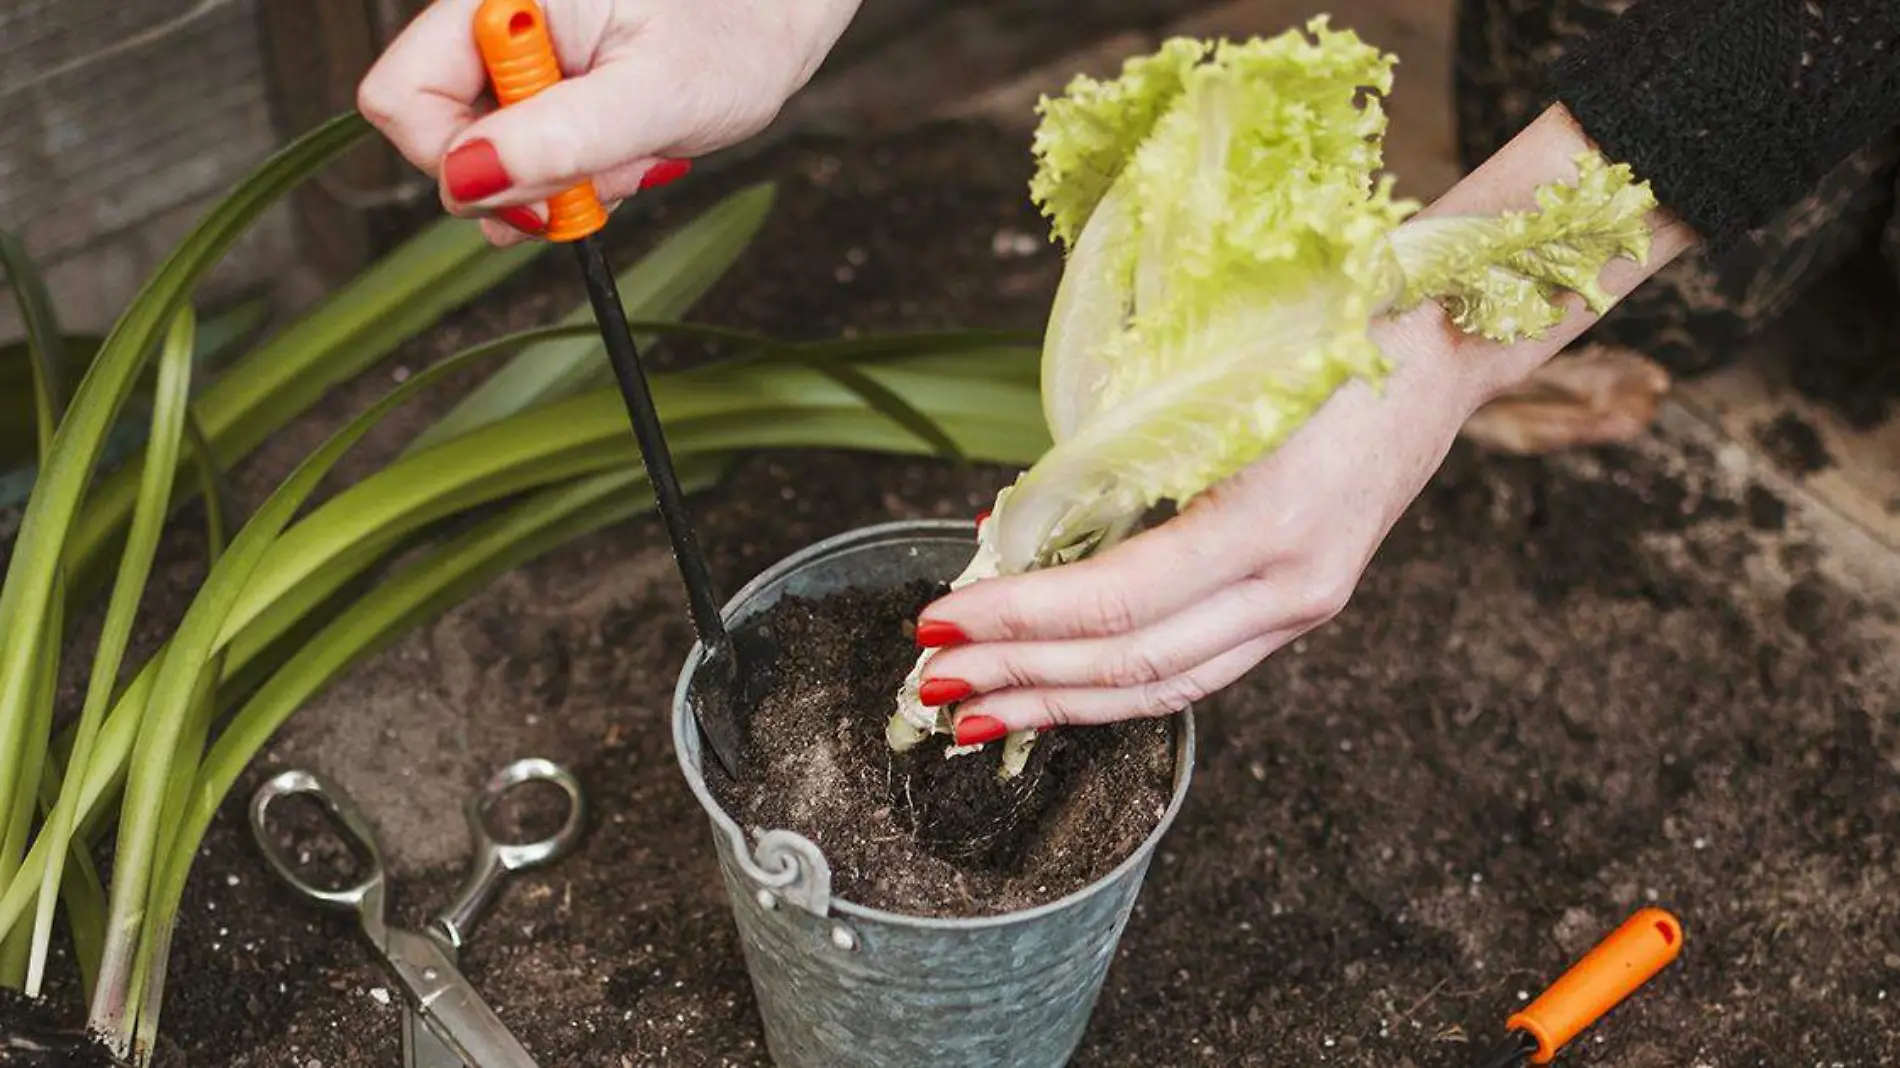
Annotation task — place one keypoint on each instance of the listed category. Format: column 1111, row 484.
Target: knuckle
column 1013, row 673
column 1058, row 712
column 1132, row 666
column 1260, row 600
column 1109, row 611
column 1015, row 618
column 1326, row 594
column 377, row 100
column 1172, row 695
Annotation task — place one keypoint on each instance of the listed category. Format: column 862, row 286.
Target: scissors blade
column 449, row 1006
column 422, row 1047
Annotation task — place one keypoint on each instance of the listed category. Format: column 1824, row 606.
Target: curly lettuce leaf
column 1505, row 277
column 1230, row 243
column 1221, row 283
column 1088, row 134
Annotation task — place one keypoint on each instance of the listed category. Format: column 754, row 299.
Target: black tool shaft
column 701, row 598
column 1514, row 1052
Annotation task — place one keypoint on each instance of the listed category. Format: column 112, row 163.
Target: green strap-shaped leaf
column 171, row 403
column 26, row 738
column 980, row 398
column 438, row 270
column 418, row 593
column 45, row 345
column 53, row 508
column 662, row 286
column 15, row 948
column 182, row 671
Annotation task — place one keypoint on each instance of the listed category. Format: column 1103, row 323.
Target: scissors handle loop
column 336, row 805
column 494, row 859
column 513, row 856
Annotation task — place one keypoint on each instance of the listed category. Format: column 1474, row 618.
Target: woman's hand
column 1180, row 611
column 651, row 84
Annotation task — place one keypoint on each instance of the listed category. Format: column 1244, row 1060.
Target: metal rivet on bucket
column 842, row 937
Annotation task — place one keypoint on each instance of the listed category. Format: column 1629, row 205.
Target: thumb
column 611, row 125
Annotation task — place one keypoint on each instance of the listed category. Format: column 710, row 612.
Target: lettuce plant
column 1230, row 243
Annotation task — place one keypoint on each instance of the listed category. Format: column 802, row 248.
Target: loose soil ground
column 921, row 833
column 1567, row 688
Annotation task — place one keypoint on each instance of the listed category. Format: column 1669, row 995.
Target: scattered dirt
column 1839, row 340
column 1794, row 444
column 1568, row 687
column 922, row 834
column 32, row 1037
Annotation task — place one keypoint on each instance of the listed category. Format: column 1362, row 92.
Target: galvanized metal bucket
column 840, row 985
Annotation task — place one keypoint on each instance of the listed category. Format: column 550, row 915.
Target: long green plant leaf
column 419, row 592
column 15, row 948
column 45, row 344
column 22, row 761
column 982, row 399
column 170, row 406
column 442, row 268
column 57, row 492
column 182, row 670
column 662, row 286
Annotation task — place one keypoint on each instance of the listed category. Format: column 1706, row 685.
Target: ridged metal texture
column 844, row 986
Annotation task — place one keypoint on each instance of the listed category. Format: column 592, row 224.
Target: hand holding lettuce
column 1234, row 259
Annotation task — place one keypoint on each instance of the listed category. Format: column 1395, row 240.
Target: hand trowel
column 518, row 53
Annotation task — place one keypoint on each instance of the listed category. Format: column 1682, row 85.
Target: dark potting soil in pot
column 920, row 833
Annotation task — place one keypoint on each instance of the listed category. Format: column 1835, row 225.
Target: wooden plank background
column 127, row 119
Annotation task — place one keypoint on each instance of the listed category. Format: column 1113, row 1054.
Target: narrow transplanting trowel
column 518, row 52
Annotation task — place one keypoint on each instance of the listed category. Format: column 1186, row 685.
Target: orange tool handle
column 1621, row 963
column 518, row 53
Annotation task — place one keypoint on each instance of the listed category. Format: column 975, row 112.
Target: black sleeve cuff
column 1734, row 110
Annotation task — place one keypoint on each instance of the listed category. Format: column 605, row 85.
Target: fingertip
column 978, row 729
column 665, row 172
column 522, row 218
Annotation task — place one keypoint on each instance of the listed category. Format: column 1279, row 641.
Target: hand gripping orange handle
column 512, row 36
column 1621, row 963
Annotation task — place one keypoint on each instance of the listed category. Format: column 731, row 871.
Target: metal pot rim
column 685, row 741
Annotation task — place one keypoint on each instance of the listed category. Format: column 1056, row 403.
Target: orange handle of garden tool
column 1645, row 944
column 518, row 52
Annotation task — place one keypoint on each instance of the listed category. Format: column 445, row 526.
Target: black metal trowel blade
column 726, row 683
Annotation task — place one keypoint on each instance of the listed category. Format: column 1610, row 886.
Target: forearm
column 1545, row 152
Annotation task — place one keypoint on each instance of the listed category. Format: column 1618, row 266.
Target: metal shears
column 446, row 1024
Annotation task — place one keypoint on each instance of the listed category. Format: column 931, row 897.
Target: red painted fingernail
column 982, row 516
column 980, row 730
column 932, row 634
column 523, row 219
column 936, row 693
column 474, row 172
column 667, row 170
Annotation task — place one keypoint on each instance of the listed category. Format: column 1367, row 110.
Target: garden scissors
column 445, row 1022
